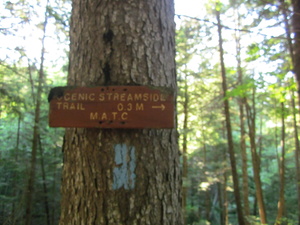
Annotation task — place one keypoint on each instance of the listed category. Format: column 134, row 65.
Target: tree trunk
column 31, row 180
column 45, row 188
column 184, row 148
column 296, row 49
column 295, row 56
column 281, row 201
column 297, row 154
column 244, row 161
column 54, row 193
column 121, row 176
column 225, row 202
column 228, row 127
column 241, row 104
column 15, row 179
column 251, row 117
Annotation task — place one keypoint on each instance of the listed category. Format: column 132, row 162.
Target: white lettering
column 104, row 116
column 93, row 116
column 124, row 116
column 58, row 104
column 139, row 107
column 120, row 107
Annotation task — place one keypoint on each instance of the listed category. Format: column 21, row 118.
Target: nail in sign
column 111, row 107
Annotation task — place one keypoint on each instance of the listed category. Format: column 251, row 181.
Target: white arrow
column 162, row 107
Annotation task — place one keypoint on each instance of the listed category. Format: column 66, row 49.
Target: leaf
column 241, row 90
column 253, row 52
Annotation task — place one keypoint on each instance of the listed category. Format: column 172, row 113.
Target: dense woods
column 238, row 105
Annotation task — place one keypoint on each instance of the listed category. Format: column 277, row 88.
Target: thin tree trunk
column 242, row 127
column 224, row 208
column 255, row 206
column 121, row 176
column 281, row 202
column 276, row 137
column 225, row 220
column 208, row 205
column 244, row 160
column 296, row 47
column 184, row 148
column 45, row 189
column 251, row 117
column 297, row 154
column 260, row 139
column 207, row 195
column 283, row 8
column 220, row 194
column 294, row 50
column 240, row 215
column 15, row 179
column 54, row 191
column 30, row 188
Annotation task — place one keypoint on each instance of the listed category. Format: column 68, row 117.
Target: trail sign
column 111, row 107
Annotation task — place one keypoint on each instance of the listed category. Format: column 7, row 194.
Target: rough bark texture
column 115, row 176
column 122, row 42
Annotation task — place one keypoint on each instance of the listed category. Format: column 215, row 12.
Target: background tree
column 231, row 152
column 19, row 84
column 29, row 192
column 185, row 52
column 296, row 31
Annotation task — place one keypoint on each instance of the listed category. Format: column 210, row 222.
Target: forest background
column 237, row 54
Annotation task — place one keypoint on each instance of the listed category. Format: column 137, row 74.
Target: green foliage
column 265, row 65
column 242, row 90
column 19, row 70
column 12, row 101
column 253, row 52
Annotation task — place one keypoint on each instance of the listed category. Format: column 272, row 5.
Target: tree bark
column 297, row 153
column 229, row 129
column 54, row 216
column 241, row 104
column 244, row 161
column 296, row 47
column 121, row 176
column 31, row 180
column 45, row 188
column 224, row 196
column 281, row 201
column 15, row 179
column 184, row 147
column 251, row 117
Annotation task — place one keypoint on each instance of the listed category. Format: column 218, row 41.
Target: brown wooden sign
column 111, row 107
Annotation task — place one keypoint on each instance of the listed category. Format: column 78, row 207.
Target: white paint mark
column 124, row 175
